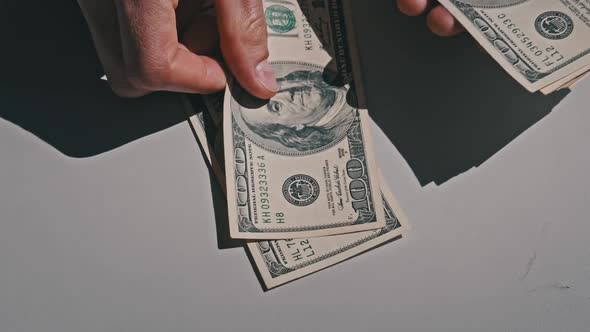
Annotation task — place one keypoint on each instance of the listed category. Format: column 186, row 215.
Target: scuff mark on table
column 529, row 265
column 559, row 286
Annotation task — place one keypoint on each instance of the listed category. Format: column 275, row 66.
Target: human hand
column 153, row 45
column 439, row 20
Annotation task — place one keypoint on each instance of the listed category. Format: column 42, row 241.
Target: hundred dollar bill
column 538, row 42
column 282, row 261
column 301, row 164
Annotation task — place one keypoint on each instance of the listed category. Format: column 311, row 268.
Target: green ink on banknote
column 280, row 19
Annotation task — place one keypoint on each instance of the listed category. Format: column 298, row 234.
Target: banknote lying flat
column 302, row 164
column 539, row 42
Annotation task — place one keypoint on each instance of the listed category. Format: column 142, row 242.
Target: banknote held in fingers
column 301, row 164
column 538, row 42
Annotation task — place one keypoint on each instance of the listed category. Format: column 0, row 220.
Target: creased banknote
column 537, row 41
column 302, row 164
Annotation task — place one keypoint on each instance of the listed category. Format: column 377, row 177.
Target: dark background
column 445, row 105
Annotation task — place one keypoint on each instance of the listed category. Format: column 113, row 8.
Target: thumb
column 243, row 39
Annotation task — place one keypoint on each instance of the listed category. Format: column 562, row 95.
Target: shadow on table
column 211, row 131
column 445, row 105
column 51, row 87
column 224, row 241
column 443, row 124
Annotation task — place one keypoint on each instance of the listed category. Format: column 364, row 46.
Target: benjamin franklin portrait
column 306, row 115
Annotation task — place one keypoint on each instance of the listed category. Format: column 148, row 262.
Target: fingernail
column 266, row 76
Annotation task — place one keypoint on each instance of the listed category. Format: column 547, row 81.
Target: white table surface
column 126, row 240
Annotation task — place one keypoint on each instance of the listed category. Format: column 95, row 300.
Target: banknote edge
column 271, row 282
column 489, row 48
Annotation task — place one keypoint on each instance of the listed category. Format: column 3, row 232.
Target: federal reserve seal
column 554, row 25
column 301, row 190
column 280, row 19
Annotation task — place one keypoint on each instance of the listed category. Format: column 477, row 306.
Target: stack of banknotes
column 299, row 172
column 543, row 44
